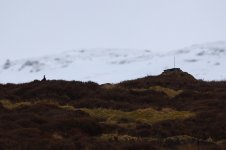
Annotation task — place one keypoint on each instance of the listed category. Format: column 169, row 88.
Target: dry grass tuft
column 117, row 137
column 67, row 107
column 148, row 115
column 47, row 101
column 9, row 105
column 13, row 105
column 169, row 92
column 57, row 136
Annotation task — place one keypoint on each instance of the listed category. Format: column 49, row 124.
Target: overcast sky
column 38, row 27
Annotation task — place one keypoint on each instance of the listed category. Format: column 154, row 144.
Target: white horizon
column 32, row 28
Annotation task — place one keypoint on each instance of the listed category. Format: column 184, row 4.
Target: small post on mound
column 174, row 66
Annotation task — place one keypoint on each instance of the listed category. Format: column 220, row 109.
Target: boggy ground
column 169, row 111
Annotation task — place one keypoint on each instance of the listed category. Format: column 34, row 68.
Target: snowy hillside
column 205, row 61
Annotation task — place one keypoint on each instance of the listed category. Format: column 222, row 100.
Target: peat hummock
column 175, row 78
column 177, row 75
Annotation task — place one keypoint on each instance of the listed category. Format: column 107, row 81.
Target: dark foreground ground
column 170, row 111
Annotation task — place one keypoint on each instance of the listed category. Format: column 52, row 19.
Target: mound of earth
column 174, row 78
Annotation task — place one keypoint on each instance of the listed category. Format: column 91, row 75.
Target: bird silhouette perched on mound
column 44, row 78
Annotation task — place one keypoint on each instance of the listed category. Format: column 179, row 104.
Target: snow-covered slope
column 206, row 61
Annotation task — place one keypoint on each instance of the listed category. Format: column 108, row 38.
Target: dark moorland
column 166, row 112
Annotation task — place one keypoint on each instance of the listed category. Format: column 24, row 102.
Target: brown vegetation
column 170, row 111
